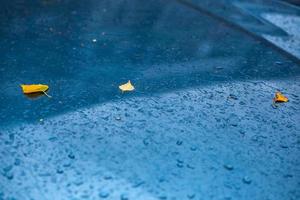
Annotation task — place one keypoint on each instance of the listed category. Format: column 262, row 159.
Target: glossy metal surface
column 200, row 124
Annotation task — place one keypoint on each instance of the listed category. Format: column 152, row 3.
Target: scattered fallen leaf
column 279, row 98
column 34, row 88
column 126, row 87
column 28, row 89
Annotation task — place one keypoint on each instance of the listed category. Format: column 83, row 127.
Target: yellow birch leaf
column 126, row 87
column 28, row 89
column 279, row 97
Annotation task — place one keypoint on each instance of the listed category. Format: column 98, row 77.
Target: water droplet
column 191, row 196
column 103, row 194
column 242, row 132
column 52, row 139
column 163, row 197
column 11, row 137
column 288, row 176
column 180, row 165
column 17, row 162
column 228, row 167
column 67, row 164
column 138, row 184
column 190, row 166
column 59, row 171
column 107, row 177
column 71, row 155
column 247, row 180
column 232, row 96
column 124, row 197
column 284, row 146
column 9, row 175
column 146, row 142
column 193, row 148
column 78, row 182
column 161, row 179
column 219, row 68
column 7, row 168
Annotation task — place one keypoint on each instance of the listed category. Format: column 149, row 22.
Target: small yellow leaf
column 28, row 89
column 126, row 87
column 279, row 97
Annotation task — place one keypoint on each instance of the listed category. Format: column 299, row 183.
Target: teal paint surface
column 200, row 124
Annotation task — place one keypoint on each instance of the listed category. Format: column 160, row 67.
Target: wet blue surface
column 200, row 124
